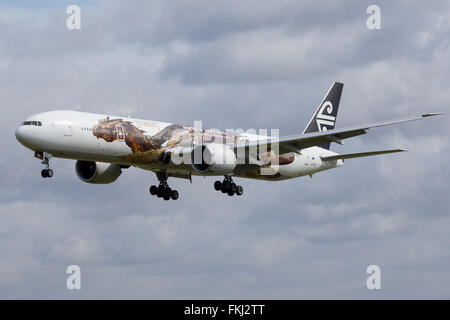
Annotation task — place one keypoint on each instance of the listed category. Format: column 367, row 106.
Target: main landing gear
column 47, row 172
column 163, row 190
column 229, row 187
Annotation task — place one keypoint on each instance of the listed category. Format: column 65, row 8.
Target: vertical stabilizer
column 325, row 117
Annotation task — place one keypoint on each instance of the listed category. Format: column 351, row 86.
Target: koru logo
column 325, row 120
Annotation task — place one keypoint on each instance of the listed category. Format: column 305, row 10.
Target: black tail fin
column 325, row 116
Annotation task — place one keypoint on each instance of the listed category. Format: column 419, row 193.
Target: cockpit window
column 33, row 123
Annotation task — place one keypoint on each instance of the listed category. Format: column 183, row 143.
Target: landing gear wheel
column 160, row 192
column 44, row 173
column 163, row 190
column 217, row 185
column 49, row 173
column 153, row 190
column 174, row 195
column 167, row 193
column 228, row 187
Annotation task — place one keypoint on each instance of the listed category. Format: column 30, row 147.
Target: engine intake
column 97, row 172
column 213, row 157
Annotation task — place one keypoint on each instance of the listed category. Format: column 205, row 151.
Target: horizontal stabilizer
column 359, row 155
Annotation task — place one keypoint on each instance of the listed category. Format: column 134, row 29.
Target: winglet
column 432, row 114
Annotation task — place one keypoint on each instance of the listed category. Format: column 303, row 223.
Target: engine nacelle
column 97, row 172
column 213, row 157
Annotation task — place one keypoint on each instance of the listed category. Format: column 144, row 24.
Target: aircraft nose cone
column 20, row 135
column 25, row 137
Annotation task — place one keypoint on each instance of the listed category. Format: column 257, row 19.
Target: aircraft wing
column 294, row 143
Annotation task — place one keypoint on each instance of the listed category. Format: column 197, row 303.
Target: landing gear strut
column 163, row 190
column 229, row 187
column 47, row 172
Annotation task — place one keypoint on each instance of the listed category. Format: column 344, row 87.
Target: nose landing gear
column 45, row 157
column 163, row 190
column 228, row 187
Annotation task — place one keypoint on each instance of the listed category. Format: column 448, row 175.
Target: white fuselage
column 69, row 134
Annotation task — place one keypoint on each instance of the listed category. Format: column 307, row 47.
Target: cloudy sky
column 232, row 64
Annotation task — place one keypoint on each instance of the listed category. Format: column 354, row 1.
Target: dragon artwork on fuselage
column 150, row 149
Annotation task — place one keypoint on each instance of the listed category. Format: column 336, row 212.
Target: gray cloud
column 232, row 64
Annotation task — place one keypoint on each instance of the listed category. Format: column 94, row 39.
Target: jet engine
column 213, row 157
column 97, row 172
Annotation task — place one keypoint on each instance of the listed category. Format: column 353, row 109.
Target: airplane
column 104, row 145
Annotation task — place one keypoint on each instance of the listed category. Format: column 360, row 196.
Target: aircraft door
column 67, row 128
column 120, row 133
